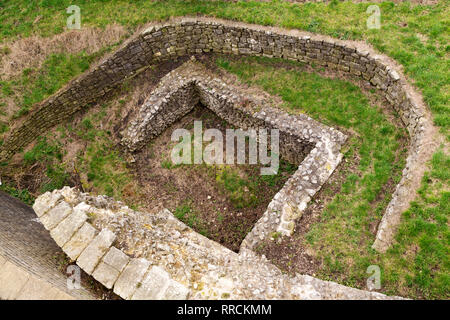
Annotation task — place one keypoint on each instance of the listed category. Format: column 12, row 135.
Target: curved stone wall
column 187, row 36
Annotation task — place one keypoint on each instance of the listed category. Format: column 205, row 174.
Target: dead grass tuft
column 32, row 51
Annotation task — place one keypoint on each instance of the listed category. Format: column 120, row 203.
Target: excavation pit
column 220, row 201
column 311, row 146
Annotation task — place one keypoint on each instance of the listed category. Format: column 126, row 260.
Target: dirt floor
column 222, row 202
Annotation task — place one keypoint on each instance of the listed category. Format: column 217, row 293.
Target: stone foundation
column 303, row 141
column 187, row 36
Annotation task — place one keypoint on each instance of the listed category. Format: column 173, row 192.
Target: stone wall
column 156, row 256
column 302, row 140
column 187, row 36
column 186, row 86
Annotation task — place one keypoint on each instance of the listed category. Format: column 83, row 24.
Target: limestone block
column 91, row 256
column 130, row 278
column 106, row 275
column 75, row 246
column 56, row 215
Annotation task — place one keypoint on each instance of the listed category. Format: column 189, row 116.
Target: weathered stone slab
column 116, row 259
column 106, row 275
column 91, row 256
column 56, row 215
column 12, row 280
column 131, row 277
column 66, row 229
column 175, row 291
column 45, row 202
column 75, row 246
column 153, row 286
column 36, row 289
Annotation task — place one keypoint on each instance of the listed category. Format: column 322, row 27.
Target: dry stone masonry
column 30, row 260
column 186, row 36
column 302, row 140
column 156, row 256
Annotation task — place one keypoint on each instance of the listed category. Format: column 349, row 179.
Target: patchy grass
column 35, row 85
column 30, row 52
column 418, row 265
column 242, row 192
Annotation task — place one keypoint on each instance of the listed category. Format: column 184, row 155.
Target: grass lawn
column 416, row 36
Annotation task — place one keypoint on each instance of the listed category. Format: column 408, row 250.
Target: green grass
column 416, row 35
column 243, row 189
column 242, row 192
column 105, row 167
column 342, row 239
column 49, row 154
column 186, row 213
column 34, row 86
column 422, row 248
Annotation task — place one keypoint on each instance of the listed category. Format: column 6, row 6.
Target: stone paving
column 28, row 268
column 16, row 283
column 144, row 255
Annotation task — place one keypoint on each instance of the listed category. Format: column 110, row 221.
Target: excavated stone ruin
column 156, row 256
column 302, row 140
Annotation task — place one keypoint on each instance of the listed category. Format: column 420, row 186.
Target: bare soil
column 196, row 194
